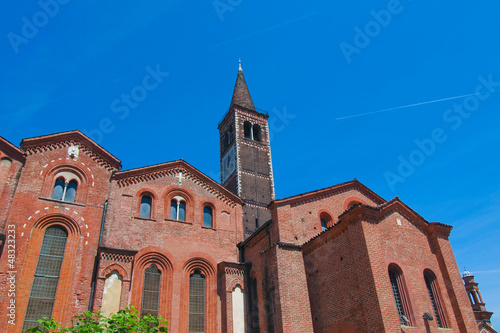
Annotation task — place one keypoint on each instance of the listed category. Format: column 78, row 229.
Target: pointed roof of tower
column 241, row 94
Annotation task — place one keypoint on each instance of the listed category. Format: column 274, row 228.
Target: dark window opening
column 57, row 192
column 247, row 128
column 64, row 191
column 207, row 217
column 178, row 209
column 323, row 225
column 145, row 210
column 257, row 136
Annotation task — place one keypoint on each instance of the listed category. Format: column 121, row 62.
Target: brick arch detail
column 205, row 264
column 171, row 192
column 145, row 258
column 114, row 267
column 215, row 211
column 234, row 283
column 352, row 200
column 68, row 223
column 56, row 167
column 329, row 217
column 154, row 198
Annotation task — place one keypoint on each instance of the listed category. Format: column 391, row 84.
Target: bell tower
column 476, row 300
column 245, row 156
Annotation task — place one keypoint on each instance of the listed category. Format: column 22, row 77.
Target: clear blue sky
column 308, row 65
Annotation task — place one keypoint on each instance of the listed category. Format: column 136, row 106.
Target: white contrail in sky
column 405, row 106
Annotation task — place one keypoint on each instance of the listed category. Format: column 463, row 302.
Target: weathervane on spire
column 239, row 61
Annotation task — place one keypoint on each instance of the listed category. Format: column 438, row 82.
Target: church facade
column 78, row 233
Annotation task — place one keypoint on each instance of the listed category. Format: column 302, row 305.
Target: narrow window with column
column 178, row 208
column 65, row 191
column 48, row 269
column 196, row 302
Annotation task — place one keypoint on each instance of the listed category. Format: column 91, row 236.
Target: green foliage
column 125, row 321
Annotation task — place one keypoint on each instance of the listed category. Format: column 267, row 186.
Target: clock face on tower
column 228, row 164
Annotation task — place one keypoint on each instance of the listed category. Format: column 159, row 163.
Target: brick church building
column 78, row 233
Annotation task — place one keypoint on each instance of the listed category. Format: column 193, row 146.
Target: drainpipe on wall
column 96, row 260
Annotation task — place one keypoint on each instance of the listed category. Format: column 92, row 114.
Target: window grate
column 196, row 303
column 397, row 296
column 48, row 269
column 151, row 291
column 429, row 283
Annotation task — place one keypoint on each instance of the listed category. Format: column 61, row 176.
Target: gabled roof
column 170, row 169
column 394, row 205
column 378, row 213
column 11, row 150
column 327, row 191
column 53, row 141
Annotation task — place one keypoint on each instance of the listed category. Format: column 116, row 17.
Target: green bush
column 125, row 321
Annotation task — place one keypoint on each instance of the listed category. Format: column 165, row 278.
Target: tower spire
column 241, row 94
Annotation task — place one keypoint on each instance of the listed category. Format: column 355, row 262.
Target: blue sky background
column 67, row 74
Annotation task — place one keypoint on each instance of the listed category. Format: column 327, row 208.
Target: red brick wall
column 297, row 223
column 174, row 244
column 340, row 282
column 32, row 211
column 410, row 246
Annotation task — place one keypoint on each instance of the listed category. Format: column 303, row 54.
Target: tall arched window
column 57, row 192
column 48, row 269
column 145, row 210
column 257, row 136
column 71, row 191
column 196, row 303
column 178, row 208
column 65, row 191
column 437, row 308
column 247, row 129
column 400, row 297
column 151, row 291
column 207, row 217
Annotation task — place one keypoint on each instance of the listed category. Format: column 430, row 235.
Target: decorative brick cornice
column 171, row 169
column 119, row 255
column 256, row 144
column 328, row 192
column 51, row 142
